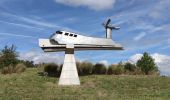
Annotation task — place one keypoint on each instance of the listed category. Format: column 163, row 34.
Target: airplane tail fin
column 109, row 28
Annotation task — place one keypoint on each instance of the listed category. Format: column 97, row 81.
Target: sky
column 145, row 27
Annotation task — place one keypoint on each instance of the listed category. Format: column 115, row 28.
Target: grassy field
column 31, row 86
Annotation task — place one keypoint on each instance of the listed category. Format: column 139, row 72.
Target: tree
column 52, row 69
column 119, row 69
column 29, row 64
column 129, row 66
column 146, row 63
column 99, row 69
column 8, row 56
column 110, row 70
column 86, row 68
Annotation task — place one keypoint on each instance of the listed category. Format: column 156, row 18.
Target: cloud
column 159, row 11
column 17, row 35
column 92, row 4
column 30, row 20
column 135, row 58
column 38, row 23
column 21, row 25
column 41, row 57
column 140, row 36
column 105, row 62
column 142, row 18
column 163, row 62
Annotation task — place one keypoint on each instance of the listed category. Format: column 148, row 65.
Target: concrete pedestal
column 69, row 75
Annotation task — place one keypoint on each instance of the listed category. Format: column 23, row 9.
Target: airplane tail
column 109, row 28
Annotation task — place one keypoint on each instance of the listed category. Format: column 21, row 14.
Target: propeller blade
column 108, row 21
column 115, row 27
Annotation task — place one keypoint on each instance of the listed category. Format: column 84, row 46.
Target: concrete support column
column 69, row 74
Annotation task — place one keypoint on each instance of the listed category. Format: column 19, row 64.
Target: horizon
column 144, row 27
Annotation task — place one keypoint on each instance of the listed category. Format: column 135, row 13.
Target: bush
column 7, row 70
column 78, row 65
column 8, row 56
column 85, row 68
column 19, row 68
column 28, row 64
column 129, row 67
column 99, row 69
column 52, row 69
column 110, row 70
column 147, row 64
column 119, row 69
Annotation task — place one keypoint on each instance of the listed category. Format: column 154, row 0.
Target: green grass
column 30, row 86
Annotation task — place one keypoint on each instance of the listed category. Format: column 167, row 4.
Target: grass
column 30, row 86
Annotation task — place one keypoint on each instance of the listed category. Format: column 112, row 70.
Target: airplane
column 58, row 41
column 70, row 42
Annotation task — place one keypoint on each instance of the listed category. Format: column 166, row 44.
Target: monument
column 70, row 42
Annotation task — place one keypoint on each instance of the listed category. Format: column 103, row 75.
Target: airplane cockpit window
column 66, row 34
column 71, row 35
column 59, row 32
column 75, row 35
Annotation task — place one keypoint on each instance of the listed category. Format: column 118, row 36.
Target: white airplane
column 69, row 42
column 59, row 40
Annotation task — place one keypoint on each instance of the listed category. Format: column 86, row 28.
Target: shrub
column 119, row 69
column 60, row 68
column 99, row 69
column 8, row 56
column 28, row 64
column 7, row 70
column 19, row 68
column 85, row 68
column 52, row 69
column 129, row 67
column 147, row 64
column 78, row 65
column 110, row 70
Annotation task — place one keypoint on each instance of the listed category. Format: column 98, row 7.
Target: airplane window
column 59, row 32
column 75, row 35
column 66, row 34
column 71, row 35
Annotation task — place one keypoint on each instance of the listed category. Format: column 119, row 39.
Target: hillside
column 30, row 85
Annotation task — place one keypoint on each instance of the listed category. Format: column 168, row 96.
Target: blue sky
column 145, row 26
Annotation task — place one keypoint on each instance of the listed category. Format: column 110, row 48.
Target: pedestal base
column 69, row 75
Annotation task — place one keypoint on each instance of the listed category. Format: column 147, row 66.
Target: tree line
column 9, row 63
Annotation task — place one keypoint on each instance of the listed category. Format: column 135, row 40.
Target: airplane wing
column 47, row 46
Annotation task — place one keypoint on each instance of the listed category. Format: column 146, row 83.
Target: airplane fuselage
column 63, row 37
column 59, row 41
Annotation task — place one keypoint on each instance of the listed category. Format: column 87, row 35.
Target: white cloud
column 135, row 58
column 105, row 62
column 31, row 20
column 41, row 57
column 140, row 36
column 92, row 4
column 21, row 25
column 17, row 35
column 163, row 62
column 159, row 11
column 38, row 23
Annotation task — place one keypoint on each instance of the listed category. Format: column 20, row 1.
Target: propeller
column 108, row 25
column 108, row 22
